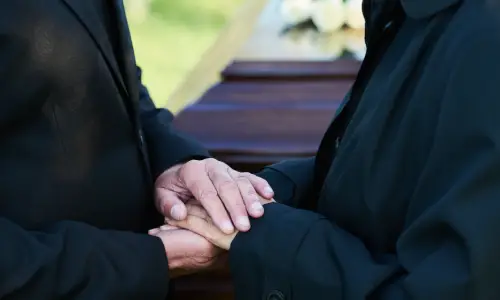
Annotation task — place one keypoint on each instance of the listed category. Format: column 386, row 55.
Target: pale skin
column 199, row 221
column 187, row 251
column 227, row 196
column 217, row 187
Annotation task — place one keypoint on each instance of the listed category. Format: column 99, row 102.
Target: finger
column 229, row 192
column 154, row 231
column 170, row 204
column 193, row 223
column 205, row 229
column 266, row 201
column 194, row 210
column 260, row 185
column 157, row 230
column 248, row 193
column 193, row 201
column 197, row 210
column 168, row 227
column 197, row 181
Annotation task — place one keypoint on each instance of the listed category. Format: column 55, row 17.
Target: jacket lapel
column 127, row 50
column 89, row 19
column 131, row 75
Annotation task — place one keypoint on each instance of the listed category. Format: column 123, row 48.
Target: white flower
column 332, row 43
column 355, row 43
column 354, row 14
column 328, row 15
column 295, row 11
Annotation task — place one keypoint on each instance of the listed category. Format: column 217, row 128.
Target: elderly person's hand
column 199, row 221
column 217, row 188
column 188, row 252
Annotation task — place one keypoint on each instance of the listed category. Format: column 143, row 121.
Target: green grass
column 171, row 40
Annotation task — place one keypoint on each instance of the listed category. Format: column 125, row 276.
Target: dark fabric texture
column 291, row 180
column 80, row 144
column 409, row 206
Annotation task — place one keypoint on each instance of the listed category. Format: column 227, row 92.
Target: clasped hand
column 199, row 222
column 203, row 231
column 205, row 192
column 216, row 187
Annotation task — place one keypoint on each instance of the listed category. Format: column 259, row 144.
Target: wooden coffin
column 261, row 113
column 273, row 102
column 264, row 112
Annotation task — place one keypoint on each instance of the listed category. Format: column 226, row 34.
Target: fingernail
column 176, row 212
column 269, row 191
column 227, row 227
column 243, row 222
column 257, row 207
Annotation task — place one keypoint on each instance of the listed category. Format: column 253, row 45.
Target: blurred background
column 170, row 37
column 183, row 45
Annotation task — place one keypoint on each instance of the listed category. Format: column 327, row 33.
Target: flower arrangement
column 337, row 25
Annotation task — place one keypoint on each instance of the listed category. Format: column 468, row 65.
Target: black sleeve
column 166, row 146
column 75, row 261
column 68, row 260
column 450, row 243
column 291, row 180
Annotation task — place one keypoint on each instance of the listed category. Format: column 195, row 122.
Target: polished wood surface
column 207, row 71
column 256, row 34
column 261, row 113
column 273, row 102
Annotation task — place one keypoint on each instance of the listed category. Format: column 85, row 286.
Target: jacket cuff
column 152, row 267
column 291, row 180
column 283, row 186
column 262, row 259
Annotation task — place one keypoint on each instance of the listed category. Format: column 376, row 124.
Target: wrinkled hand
column 199, row 221
column 188, row 252
column 217, row 187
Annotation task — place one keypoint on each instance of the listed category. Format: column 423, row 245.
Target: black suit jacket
column 409, row 207
column 80, row 145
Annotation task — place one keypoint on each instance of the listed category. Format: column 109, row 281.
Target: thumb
column 170, row 205
column 203, row 228
column 200, row 223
